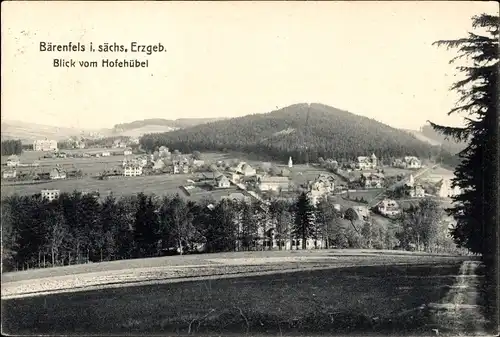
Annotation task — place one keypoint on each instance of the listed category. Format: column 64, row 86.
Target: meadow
column 330, row 292
column 118, row 186
column 89, row 166
column 390, row 171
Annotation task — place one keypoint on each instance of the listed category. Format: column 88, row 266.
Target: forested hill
column 172, row 123
column 329, row 132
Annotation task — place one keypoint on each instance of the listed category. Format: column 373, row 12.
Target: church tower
column 290, row 163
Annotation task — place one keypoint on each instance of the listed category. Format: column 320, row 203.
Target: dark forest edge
column 12, row 146
column 78, row 228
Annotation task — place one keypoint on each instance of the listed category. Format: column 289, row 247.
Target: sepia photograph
column 250, row 168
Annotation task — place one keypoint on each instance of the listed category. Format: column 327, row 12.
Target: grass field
column 89, row 166
column 353, row 292
column 365, row 194
column 390, row 171
column 119, row 186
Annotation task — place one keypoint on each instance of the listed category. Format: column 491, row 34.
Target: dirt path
column 459, row 312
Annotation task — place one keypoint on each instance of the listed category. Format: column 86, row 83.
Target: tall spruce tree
column 145, row 227
column 475, row 209
column 477, row 173
column 304, row 224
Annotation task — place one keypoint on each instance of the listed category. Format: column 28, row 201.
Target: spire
column 290, row 162
column 411, row 181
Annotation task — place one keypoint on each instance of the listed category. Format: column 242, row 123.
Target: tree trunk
column 44, row 264
column 180, row 247
column 39, row 259
column 101, row 254
column 53, row 256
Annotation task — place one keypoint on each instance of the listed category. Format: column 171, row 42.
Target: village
column 357, row 189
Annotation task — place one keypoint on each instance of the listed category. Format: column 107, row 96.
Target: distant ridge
column 174, row 124
column 429, row 135
column 29, row 132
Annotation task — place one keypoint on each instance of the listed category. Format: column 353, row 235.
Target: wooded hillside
column 323, row 130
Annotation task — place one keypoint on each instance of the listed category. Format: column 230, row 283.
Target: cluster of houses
column 12, row 164
column 371, row 162
column 444, row 188
column 55, row 173
column 255, row 184
column 162, row 162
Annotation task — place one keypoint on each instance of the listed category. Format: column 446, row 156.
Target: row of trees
column 12, row 146
column 78, row 228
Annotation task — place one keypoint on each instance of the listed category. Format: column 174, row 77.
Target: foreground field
column 325, row 292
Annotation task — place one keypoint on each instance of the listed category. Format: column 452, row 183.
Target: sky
column 230, row 59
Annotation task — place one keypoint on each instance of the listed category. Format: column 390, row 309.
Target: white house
column 372, row 180
column 235, row 178
column 159, row 165
column 50, row 194
column 320, row 188
column 245, row 170
column 45, row 145
column 127, row 152
column 57, row 173
column 106, row 154
column 222, row 182
column 412, row 162
column 13, row 161
column 7, row 174
column 274, row 183
column 132, row 170
column 366, row 163
column 389, row 207
column 417, row 191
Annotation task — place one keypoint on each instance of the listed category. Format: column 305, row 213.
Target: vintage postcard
column 249, row 168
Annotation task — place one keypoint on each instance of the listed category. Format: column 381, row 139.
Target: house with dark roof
column 57, row 173
column 222, row 181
